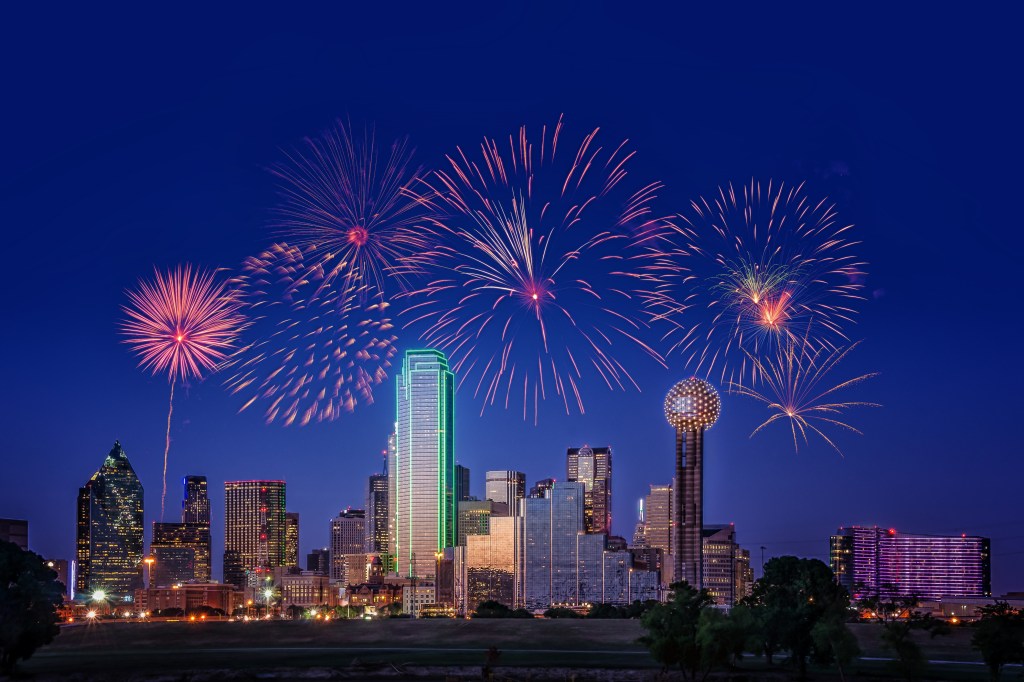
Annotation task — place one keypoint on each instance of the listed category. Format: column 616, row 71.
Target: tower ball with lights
column 691, row 407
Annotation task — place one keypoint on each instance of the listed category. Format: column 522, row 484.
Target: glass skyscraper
column 181, row 553
column 507, row 487
column 422, row 466
column 550, row 528
column 110, row 529
column 195, row 507
column 254, row 528
column 593, row 468
column 377, row 514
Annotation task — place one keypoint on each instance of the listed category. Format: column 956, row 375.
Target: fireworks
column 765, row 262
column 347, row 207
column 793, row 381
column 183, row 323
column 545, row 264
column 314, row 353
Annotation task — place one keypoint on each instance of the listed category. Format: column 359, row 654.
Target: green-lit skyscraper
column 110, row 529
column 422, row 466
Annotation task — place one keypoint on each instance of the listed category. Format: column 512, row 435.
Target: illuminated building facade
column 550, row 528
column 541, row 487
column 475, row 517
column 593, row 468
column 348, row 538
column 188, row 598
column 14, row 530
column 727, row 573
column 871, row 561
column 195, row 507
column 291, row 539
column 422, row 466
column 254, row 528
column 377, row 514
column 491, row 564
column 507, row 487
column 110, row 529
column 181, row 553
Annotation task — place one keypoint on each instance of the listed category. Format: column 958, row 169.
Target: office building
column 189, row 598
column 377, row 514
column 550, row 529
column 541, row 487
column 593, row 468
column 872, row 561
column 319, row 561
column 491, row 564
column 291, row 539
column 422, row 469
column 475, row 517
column 348, row 538
column 254, row 528
column 110, row 529
column 181, row 554
column 462, row 491
column 195, row 507
column 727, row 573
column 14, row 530
column 507, row 487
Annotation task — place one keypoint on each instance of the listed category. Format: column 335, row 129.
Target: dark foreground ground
column 422, row 649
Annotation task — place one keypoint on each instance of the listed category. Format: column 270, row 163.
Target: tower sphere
column 692, row 404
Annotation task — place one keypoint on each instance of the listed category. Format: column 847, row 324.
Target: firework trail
column 793, row 385
column 544, row 269
column 761, row 260
column 312, row 353
column 183, row 323
column 346, row 205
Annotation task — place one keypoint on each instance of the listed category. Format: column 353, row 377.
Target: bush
column 561, row 613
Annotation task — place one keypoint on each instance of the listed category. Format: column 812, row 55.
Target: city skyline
column 173, row 169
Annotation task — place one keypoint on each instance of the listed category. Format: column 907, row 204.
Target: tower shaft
column 688, row 521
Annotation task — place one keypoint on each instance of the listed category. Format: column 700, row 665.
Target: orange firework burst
column 544, row 269
column 182, row 323
column 763, row 261
column 347, row 207
column 792, row 380
column 313, row 353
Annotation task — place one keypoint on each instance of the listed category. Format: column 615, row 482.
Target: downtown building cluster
column 420, row 541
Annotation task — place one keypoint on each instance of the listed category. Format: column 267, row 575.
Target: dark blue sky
column 136, row 139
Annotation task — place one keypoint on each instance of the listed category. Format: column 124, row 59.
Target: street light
column 149, row 570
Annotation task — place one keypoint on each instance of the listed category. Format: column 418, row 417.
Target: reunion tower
column 691, row 407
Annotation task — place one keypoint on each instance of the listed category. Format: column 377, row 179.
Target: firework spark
column 794, row 387
column 183, row 323
column 543, row 267
column 764, row 261
column 313, row 353
column 346, row 205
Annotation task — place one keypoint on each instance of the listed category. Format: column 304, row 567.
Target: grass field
column 399, row 648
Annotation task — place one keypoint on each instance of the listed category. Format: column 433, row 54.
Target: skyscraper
column 871, row 561
column 110, row 529
column 423, row 467
column 181, row 553
column 491, row 561
column 291, row 539
column 348, row 537
column 541, row 487
column 549, row 550
column 691, row 407
column 726, row 565
column 658, row 518
column 593, row 468
column 377, row 514
column 505, row 486
column 461, row 483
column 195, row 507
column 475, row 517
column 254, row 528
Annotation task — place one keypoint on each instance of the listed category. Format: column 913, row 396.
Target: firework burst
column 183, row 323
column 763, row 261
column 544, row 268
column 346, row 205
column 794, row 386
column 312, row 353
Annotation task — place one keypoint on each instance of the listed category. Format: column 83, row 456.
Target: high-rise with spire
column 422, row 467
column 110, row 529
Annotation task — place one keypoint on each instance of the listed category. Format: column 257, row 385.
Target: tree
column 834, row 643
column 899, row 619
column 492, row 609
column 604, row 611
column 1000, row 636
column 791, row 598
column 672, row 630
column 29, row 597
column 561, row 612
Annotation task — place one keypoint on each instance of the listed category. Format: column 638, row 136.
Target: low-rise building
column 189, row 597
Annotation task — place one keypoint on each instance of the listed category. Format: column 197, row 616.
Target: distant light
column 91, row 614
column 99, row 595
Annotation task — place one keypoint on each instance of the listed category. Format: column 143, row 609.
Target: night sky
column 136, row 139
